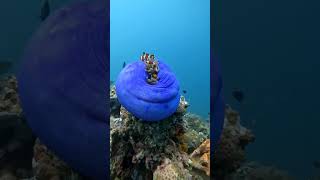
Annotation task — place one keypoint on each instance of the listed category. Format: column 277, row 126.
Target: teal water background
column 270, row 49
column 178, row 32
column 19, row 20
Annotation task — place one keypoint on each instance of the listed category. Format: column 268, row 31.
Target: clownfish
column 144, row 56
column 147, row 57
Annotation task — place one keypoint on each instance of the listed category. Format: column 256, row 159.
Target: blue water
column 271, row 50
column 19, row 20
column 176, row 31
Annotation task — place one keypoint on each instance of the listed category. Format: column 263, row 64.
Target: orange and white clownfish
column 146, row 57
column 142, row 56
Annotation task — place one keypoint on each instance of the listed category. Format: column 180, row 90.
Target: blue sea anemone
column 63, row 85
column 149, row 102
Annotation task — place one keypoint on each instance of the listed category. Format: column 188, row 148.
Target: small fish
column 144, row 56
column 45, row 10
column 124, row 64
column 238, row 95
column 184, row 91
column 316, row 164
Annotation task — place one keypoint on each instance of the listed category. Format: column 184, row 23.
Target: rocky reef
column 230, row 163
column 176, row 148
column 21, row 156
column 230, row 151
column 16, row 140
column 47, row 166
column 254, row 171
column 155, row 150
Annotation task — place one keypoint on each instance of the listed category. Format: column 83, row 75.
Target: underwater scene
column 270, row 68
column 53, row 90
column 159, row 89
column 93, row 91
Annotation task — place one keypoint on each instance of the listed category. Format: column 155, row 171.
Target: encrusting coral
column 200, row 158
column 169, row 170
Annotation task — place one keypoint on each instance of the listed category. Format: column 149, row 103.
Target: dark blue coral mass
column 146, row 101
column 63, row 85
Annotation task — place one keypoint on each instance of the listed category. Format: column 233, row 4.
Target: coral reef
column 197, row 131
column 9, row 100
column 254, row 171
column 171, row 171
column 139, row 150
column 230, row 151
column 229, row 162
column 200, row 158
column 20, row 158
column 16, row 137
column 183, row 105
column 146, row 150
column 47, row 166
column 114, row 103
column 135, row 145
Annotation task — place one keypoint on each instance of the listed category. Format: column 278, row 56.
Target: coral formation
column 135, row 144
column 9, row 100
column 200, row 158
column 183, row 105
column 197, row 131
column 230, row 151
column 114, row 103
column 141, row 149
column 254, row 171
column 16, row 137
column 19, row 157
column 47, row 166
column 169, row 170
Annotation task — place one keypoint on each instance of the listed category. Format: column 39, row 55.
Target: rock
column 200, row 158
column 46, row 165
column 254, row 171
column 16, row 137
column 171, row 171
column 134, row 144
column 114, row 103
column 183, row 105
column 230, row 151
column 197, row 131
